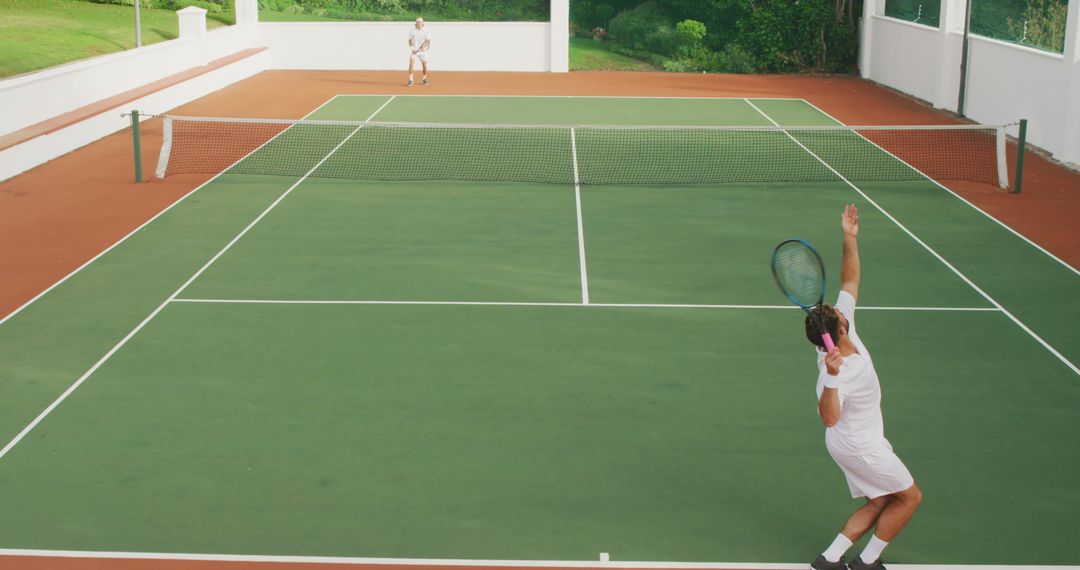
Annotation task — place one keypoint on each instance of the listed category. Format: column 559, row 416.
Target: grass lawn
column 35, row 34
column 592, row 55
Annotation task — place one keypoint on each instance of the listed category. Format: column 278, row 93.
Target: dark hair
column 813, row 324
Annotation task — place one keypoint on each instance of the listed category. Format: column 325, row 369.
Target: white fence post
column 560, row 35
column 193, row 26
column 1071, row 144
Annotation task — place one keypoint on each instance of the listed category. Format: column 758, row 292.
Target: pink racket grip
column 829, row 346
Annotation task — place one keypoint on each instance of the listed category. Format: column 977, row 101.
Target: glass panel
column 1035, row 23
column 926, row 12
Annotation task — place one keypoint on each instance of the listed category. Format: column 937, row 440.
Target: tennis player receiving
column 849, row 402
column 419, row 42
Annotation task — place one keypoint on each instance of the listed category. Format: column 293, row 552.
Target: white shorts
column 421, row 57
column 874, row 474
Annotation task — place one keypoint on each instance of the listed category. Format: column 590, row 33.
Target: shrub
column 734, row 59
column 640, row 27
column 142, row 3
column 810, row 35
column 692, row 31
column 603, row 13
column 212, row 6
column 663, row 40
column 648, row 57
column 694, row 60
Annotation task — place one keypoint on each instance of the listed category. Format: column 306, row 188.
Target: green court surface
column 329, row 367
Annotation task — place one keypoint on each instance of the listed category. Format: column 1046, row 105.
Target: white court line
column 580, row 223
column 572, row 97
column 44, row 413
column 959, row 197
column 147, row 222
column 549, row 304
column 911, row 234
column 477, row 562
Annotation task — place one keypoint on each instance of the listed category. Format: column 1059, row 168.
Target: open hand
column 849, row 220
column 833, row 360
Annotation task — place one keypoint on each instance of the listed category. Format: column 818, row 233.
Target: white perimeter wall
column 35, row 97
column 41, row 149
column 1006, row 82
column 455, row 46
column 465, row 46
column 898, row 46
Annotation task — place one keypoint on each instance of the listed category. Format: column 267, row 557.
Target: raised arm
column 849, row 268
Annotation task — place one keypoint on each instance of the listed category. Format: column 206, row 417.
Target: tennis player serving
column 419, row 42
column 849, row 402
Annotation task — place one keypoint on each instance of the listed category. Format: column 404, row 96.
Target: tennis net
column 585, row 154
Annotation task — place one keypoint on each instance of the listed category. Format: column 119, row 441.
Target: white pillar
column 866, row 41
column 1071, row 147
column 560, row 36
column 247, row 12
column 193, row 26
column 950, row 42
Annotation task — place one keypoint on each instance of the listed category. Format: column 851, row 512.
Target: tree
column 1042, row 24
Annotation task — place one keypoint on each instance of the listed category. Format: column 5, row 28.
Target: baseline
column 477, row 562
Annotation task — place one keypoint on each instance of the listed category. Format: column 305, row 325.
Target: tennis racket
column 800, row 274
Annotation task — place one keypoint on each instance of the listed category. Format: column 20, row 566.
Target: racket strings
column 798, row 272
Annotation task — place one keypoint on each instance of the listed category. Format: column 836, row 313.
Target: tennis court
column 430, row 369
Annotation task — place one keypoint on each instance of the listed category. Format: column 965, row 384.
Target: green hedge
column 446, row 10
column 211, row 6
column 732, row 36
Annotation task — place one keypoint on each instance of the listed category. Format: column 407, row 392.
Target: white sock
column 410, row 77
column 837, row 548
column 873, row 549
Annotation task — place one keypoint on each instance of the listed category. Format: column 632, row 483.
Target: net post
column 1002, row 159
column 1021, row 146
column 136, row 144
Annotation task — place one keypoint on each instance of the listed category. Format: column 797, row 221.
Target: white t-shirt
column 418, row 38
column 861, row 427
